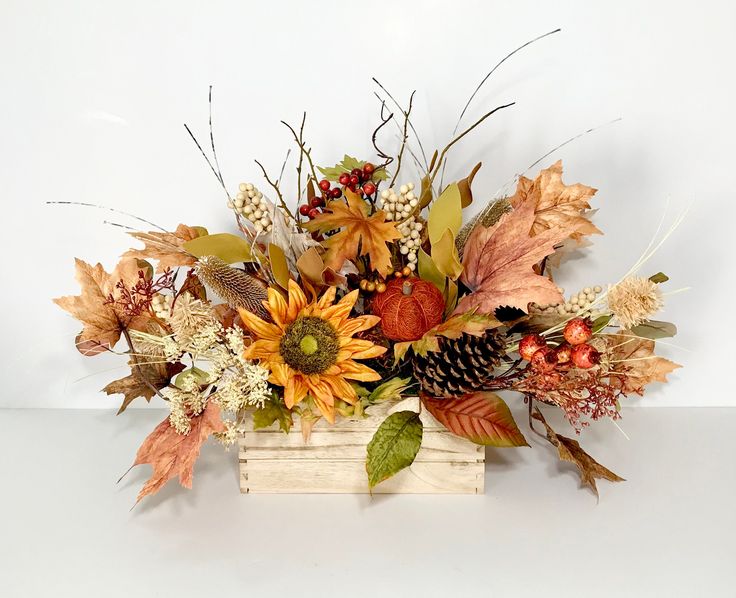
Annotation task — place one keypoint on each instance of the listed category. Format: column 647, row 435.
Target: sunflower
column 309, row 348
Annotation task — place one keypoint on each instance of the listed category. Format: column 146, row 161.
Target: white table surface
column 670, row 530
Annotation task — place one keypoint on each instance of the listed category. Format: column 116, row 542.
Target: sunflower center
column 309, row 345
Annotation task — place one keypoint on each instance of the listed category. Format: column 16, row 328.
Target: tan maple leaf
column 556, row 205
column 166, row 248
column 569, row 450
column 172, row 454
column 146, row 376
column 103, row 321
column 498, row 264
column 633, row 364
column 361, row 234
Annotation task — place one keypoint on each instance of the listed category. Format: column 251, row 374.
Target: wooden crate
column 333, row 461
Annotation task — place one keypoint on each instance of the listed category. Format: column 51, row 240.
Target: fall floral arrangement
column 374, row 288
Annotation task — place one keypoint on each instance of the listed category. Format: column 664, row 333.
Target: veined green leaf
column 394, row 446
column 272, row 411
column 654, row 329
column 194, row 373
column 391, row 390
column 332, row 173
column 659, row 278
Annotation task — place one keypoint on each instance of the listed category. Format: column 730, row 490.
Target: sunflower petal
column 262, row 349
column 294, row 391
column 277, row 308
column 352, row 370
column 327, row 298
column 297, row 301
column 353, row 325
column 259, row 327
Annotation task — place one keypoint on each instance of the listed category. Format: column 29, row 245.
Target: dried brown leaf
column 569, row 450
column 498, row 264
column 167, row 248
column 145, row 375
column 172, row 454
column 633, row 363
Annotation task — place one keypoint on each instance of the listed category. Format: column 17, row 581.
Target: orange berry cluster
column 574, row 351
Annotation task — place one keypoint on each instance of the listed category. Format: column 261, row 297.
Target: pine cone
column 235, row 287
column 383, row 364
column 461, row 365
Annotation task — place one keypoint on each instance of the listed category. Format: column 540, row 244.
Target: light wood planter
column 333, row 461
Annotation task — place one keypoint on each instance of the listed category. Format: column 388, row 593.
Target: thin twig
column 403, row 139
column 212, row 144
column 92, row 205
column 209, row 163
column 283, row 166
column 276, row 188
column 413, row 130
column 136, row 365
column 381, row 154
column 300, row 142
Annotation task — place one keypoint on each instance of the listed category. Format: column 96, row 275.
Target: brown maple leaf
column 146, row 377
column 498, row 264
column 569, row 450
column 361, row 234
column 633, row 364
column 166, row 247
column 556, row 205
column 172, row 454
column 103, row 320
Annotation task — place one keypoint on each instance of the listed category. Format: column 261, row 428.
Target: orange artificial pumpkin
column 408, row 308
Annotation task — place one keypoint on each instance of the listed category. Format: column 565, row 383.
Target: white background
column 94, row 95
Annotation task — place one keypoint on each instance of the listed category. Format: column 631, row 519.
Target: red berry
column 585, row 356
column 544, row 359
column 369, row 188
column 344, row 178
column 324, row 184
column 304, row 210
column 316, row 202
column 354, row 179
column 335, row 193
column 357, row 172
column 530, row 344
column 352, row 187
column 578, row 331
column 368, row 169
column 313, row 213
column 564, row 353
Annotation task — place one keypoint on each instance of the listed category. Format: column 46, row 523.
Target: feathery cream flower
column 634, row 300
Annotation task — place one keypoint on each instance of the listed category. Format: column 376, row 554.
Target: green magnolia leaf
column 229, row 248
column 279, row 265
column 446, row 257
column 600, row 323
column 446, row 212
column 272, row 411
column 391, row 390
column 394, row 446
column 428, row 270
column 349, row 163
column 654, row 329
column 659, row 278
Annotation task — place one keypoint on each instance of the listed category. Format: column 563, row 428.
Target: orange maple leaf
column 634, row 364
column 172, row 454
column 103, row 320
column 167, row 248
column 498, row 264
column 361, row 234
column 556, row 205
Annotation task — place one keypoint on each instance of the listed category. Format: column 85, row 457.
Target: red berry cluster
column 315, row 205
column 359, row 178
column 574, row 351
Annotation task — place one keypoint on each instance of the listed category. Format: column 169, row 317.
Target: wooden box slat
column 334, row 459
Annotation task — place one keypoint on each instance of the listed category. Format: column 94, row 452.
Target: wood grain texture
column 334, row 459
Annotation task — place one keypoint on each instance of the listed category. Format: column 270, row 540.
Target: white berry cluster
column 399, row 205
column 250, row 203
column 411, row 240
column 161, row 305
column 576, row 303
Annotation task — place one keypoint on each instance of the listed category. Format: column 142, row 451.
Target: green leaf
column 279, row 265
column 446, row 257
column 601, row 322
column 659, row 278
column 394, row 446
column 391, row 390
column 428, row 270
column 272, row 411
column 229, row 248
column 199, row 376
column 348, row 163
column 446, row 212
column 654, row 329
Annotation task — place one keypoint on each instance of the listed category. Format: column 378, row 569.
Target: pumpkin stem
column 406, row 288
